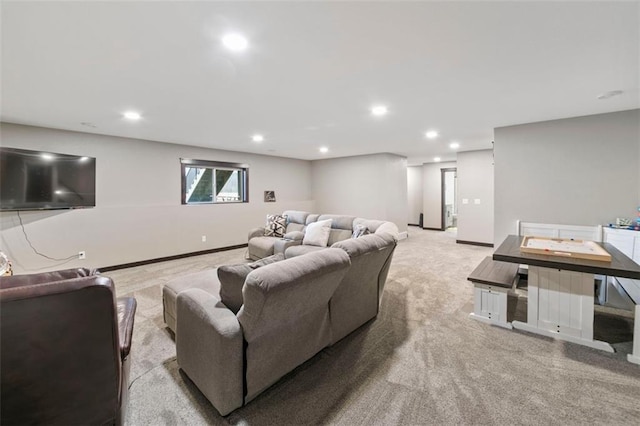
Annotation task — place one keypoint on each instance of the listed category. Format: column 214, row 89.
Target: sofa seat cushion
column 260, row 247
column 300, row 250
column 205, row 280
column 232, row 278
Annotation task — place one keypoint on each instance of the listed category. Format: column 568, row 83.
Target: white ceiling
column 313, row 70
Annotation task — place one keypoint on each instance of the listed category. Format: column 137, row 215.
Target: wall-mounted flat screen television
column 38, row 180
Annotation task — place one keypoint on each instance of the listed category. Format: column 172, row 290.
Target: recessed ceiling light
column 610, row 94
column 431, row 134
column 236, row 42
column 379, row 110
column 436, row 159
column 324, row 149
column 257, row 138
column 46, row 156
column 454, row 145
column 132, row 115
column 84, row 158
column 58, row 192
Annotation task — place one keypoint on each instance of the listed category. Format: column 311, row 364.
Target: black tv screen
column 36, row 180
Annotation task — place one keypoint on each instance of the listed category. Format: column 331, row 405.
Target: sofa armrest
column 389, row 228
column 255, row 232
column 280, row 246
column 294, row 236
column 209, row 345
column 126, row 312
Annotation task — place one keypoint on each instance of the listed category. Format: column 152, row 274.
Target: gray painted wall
column 432, row 193
column 369, row 186
column 138, row 215
column 475, row 182
column 579, row 171
column 414, row 193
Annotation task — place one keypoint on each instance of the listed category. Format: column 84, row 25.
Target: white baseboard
column 403, row 235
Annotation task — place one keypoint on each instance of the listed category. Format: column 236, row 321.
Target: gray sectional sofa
column 291, row 244
column 288, row 311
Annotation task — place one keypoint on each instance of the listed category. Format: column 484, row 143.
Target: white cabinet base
column 596, row 344
column 560, row 305
column 490, row 305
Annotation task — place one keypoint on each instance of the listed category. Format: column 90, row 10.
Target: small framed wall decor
column 269, row 196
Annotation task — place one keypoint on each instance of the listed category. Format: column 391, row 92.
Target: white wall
column 475, row 182
column 579, row 171
column 138, row 215
column 414, row 193
column 432, row 193
column 369, row 186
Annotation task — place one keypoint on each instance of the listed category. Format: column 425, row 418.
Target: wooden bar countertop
column 620, row 265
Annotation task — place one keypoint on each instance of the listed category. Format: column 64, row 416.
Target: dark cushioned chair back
column 60, row 351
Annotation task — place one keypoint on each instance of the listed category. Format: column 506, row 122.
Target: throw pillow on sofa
column 317, row 233
column 359, row 231
column 232, row 278
column 276, row 225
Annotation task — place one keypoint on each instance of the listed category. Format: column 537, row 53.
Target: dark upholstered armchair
column 65, row 341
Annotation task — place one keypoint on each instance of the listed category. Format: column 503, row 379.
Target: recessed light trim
column 437, row 159
column 235, row 42
column 324, row 149
column 379, row 110
column 132, row 115
column 431, row 134
column 257, row 138
column 454, row 145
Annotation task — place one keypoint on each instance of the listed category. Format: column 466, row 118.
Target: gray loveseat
column 290, row 310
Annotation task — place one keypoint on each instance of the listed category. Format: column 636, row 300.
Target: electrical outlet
column 204, row 238
column 82, row 255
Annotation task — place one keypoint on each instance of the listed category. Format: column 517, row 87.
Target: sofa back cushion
column 276, row 294
column 313, row 217
column 296, row 220
column 292, row 226
column 341, row 227
column 232, row 279
column 285, row 316
column 296, row 216
column 357, row 298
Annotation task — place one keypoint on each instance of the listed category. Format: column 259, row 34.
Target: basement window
column 212, row 182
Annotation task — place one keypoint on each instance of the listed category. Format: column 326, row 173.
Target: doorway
column 449, row 193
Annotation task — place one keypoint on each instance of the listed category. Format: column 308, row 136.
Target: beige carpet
column 421, row 361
